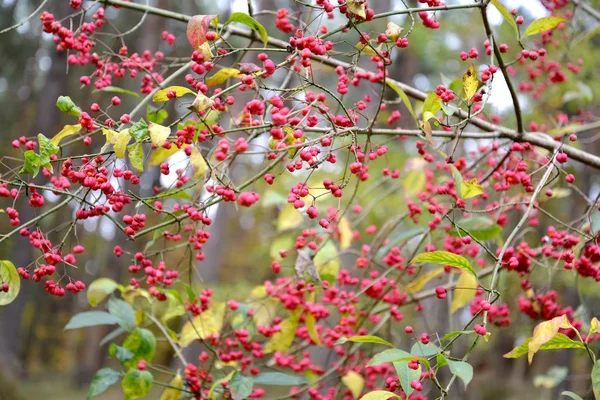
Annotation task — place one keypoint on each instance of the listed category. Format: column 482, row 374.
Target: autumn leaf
column 544, row 332
column 158, row 134
column 355, row 382
column 470, row 189
column 420, row 283
column 282, row 340
column 201, row 103
column 197, row 28
column 357, row 7
column 471, row 82
column 198, row 163
column 121, row 143
column 222, row 75
column 68, row 130
column 161, row 95
column 202, row 326
column 466, row 288
column 543, row 24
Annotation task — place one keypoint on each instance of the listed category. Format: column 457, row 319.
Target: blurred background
column 39, row 360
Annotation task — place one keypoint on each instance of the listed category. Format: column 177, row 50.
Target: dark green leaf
column 240, row 386
column 156, row 116
column 123, row 312
column 91, row 318
column 139, row 130
column 278, row 379
column 103, row 379
column 136, row 384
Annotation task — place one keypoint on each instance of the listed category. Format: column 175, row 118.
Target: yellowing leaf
column 345, row 233
column 264, row 312
column 357, row 7
column 393, row 31
column 506, row 14
column 431, row 104
column 470, row 189
column 68, row 130
column 173, row 392
column 159, row 155
column 222, row 75
column 217, row 383
column 403, row 96
column 197, row 28
column 204, row 325
column 420, row 283
column 593, row 328
column 311, row 328
column 201, row 103
column 466, row 287
column 159, row 134
column 470, row 82
column 9, row 275
column 558, row 342
column 111, row 136
column 414, row 182
column 380, row 395
column 121, row 143
column 136, row 156
column 161, row 95
column 327, row 261
column 198, row 163
column 543, row 24
column 544, row 332
column 445, row 258
column 204, row 49
column 365, row 48
column 355, row 382
column 289, row 218
column 282, row 340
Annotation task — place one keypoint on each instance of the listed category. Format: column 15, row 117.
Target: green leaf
column 282, row 340
column 9, row 274
column 462, row 369
column 595, row 223
column 478, row 227
column 136, row 384
column 100, row 289
column 156, row 116
column 558, row 342
column 123, row 312
column 571, row 395
column 66, row 105
column 142, row 344
column 388, row 356
column 120, row 353
column 31, row 165
column 506, row 14
column 115, row 89
column 432, row 104
column 403, row 96
column 139, row 130
column 251, row 23
column 327, row 261
column 543, row 24
column 406, row 375
column 450, row 335
column 445, row 258
column 424, row 350
column 91, row 318
column 278, row 379
column 240, row 386
column 112, row 335
column 380, row 395
column 103, row 379
column 136, row 156
column 596, row 379
column 364, row 339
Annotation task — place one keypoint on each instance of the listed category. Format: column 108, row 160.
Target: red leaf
column 197, row 29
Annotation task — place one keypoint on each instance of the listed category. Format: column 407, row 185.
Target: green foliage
column 136, row 384
column 103, row 379
column 9, row 275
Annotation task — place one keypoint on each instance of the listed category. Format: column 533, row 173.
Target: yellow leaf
column 312, row 329
column 466, row 288
column 173, row 392
column 355, row 382
column 201, row 103
column 470, row 82
column 159, row 155
column 111, row 136
column 414, row 182
column 218, row 382
column 288, row 218
column 403, row 96
column 593, row 328
column 282, row 340
column 68, row 130
column 290, row 140
column 470, row 189
column 380, row 395
column 357, row 7
column 222, row 75
column 204, row 325
column 544, row 332
column 543, row 24
column 198, row 163
column 204, row 49
column 431, row 104
column 506, row 14
column 161, row 95
column 158, row 134
column 327, row 261
column 264, row 312
column 345, row 233
column 365, row 48
column 420, row 283
column 258, row 292
column 393, row 31
column 121, row 142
